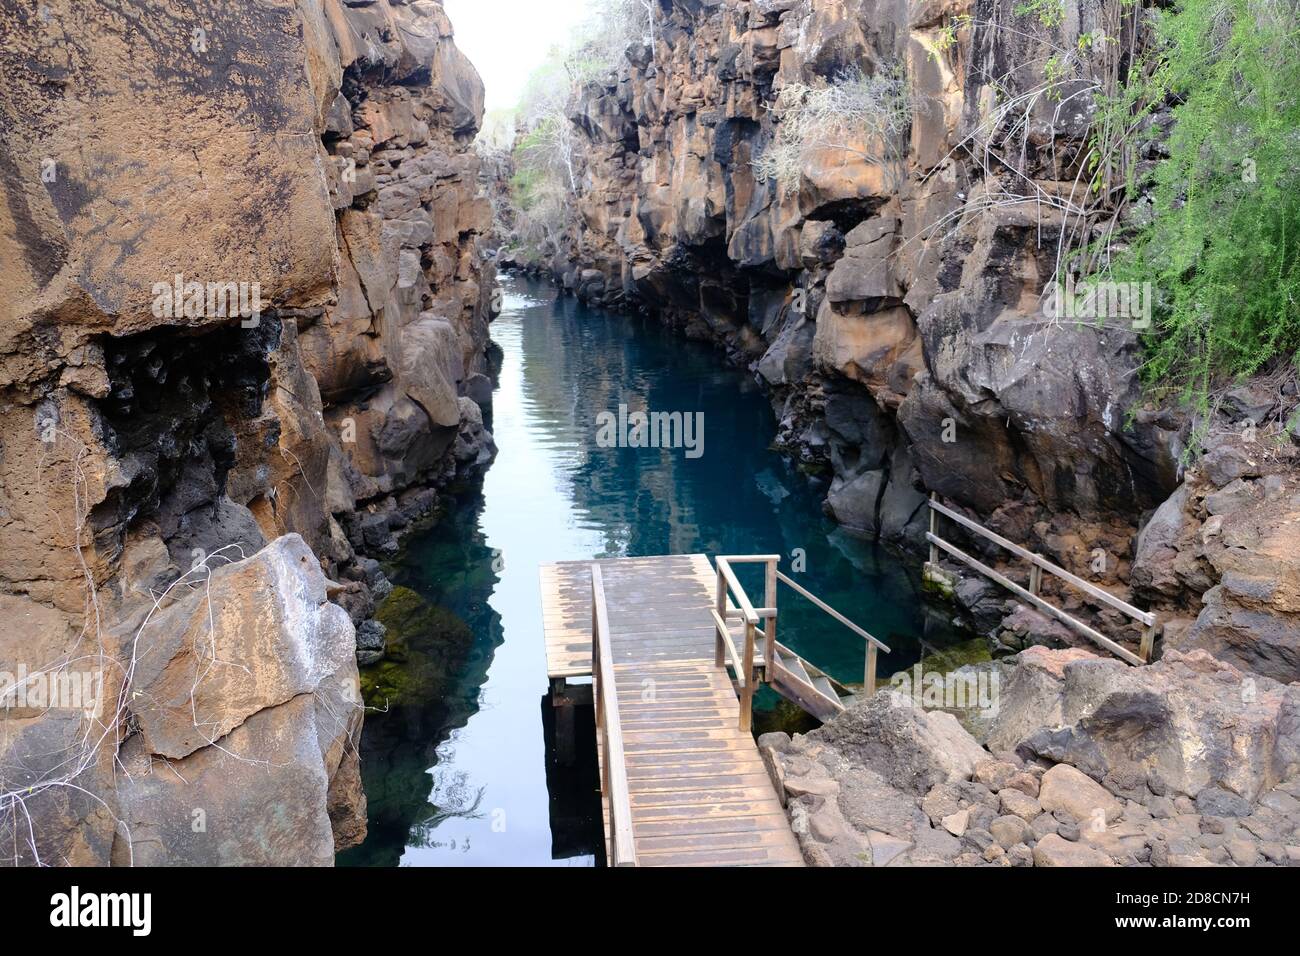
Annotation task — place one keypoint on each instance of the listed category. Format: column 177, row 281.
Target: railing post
column 869, row 678
column 1148, row 643
column 1035, row 578
column 934, row 548
column 747, row 691
column 769, row 599
column 719, row 649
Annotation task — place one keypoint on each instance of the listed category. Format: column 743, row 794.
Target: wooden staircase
column 797, row 680
column 769, row 661
column 802, row 683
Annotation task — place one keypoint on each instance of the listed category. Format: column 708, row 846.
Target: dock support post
column 563, row 704
column 565, row 745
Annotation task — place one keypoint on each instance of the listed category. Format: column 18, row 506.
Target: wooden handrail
column 1039, row 564
column 724, row 568
column 726, row 648
column 1145, row 617
column 608, row 725
column 873, row 644
column 832, row 612
column 742, row 662
column 732, row 653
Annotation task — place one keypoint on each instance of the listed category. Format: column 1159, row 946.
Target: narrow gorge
column 308, row 359
column 889, row 287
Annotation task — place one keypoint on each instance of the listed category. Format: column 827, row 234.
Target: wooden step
column 791, row 680
column 794, row 664
column 825, row 686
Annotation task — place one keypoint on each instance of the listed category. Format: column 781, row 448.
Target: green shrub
column 1221, row 246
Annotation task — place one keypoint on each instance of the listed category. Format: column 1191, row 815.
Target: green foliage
column 1221, row 248
column 1050, row 13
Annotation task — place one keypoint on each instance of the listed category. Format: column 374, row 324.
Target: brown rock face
column 243, row 293
column 1224, row 547
column 270, row 609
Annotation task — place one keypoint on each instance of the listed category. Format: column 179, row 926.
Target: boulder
column 1226, row 463
column 1031, row 698
column 855, row 503
column 282, row 789
column 1065, row 790
column 1019, row 804
column 1188, row 720
column 1011, row 830
column 1052, row 850
column 193, row 683
column 912, row 749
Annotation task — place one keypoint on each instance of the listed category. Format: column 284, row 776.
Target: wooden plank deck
column 699, row 792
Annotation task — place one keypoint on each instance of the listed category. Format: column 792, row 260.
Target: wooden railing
column 743, row 661
column 1037, row 565
column 610, row 730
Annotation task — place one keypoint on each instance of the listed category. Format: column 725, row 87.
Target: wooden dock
column 683, row 784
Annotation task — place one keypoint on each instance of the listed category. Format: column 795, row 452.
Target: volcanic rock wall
column 891, row 301
column 877, row 299
column 242, row 309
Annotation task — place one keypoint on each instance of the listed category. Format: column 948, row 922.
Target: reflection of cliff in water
column 451, row 569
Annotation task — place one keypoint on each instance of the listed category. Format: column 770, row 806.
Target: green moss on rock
column 424, row 644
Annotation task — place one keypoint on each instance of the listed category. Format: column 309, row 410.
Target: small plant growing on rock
column 852, row 108
column 1050, row 13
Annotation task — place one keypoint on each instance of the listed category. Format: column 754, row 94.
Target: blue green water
column 466, row 776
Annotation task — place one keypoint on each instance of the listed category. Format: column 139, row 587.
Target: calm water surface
column 470, row 777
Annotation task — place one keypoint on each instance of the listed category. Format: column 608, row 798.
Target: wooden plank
column 656, row 783
column 697, row 790
column 748, row 856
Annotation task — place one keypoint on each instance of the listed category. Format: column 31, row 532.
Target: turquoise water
column 469, row 777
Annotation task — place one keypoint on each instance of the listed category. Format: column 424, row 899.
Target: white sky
column 507, row 39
